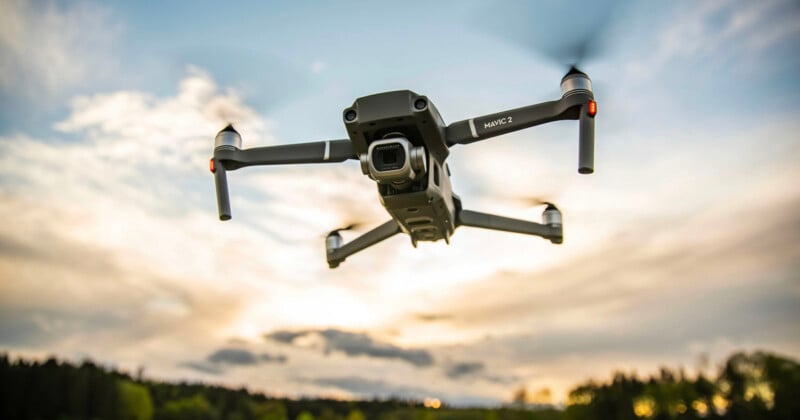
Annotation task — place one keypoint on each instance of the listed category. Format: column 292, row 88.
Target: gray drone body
column 403, row 144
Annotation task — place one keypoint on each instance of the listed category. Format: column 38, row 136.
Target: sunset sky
column 684, row 244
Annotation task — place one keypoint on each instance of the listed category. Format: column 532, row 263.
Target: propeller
column 533, row 201
column 351, row 226
column 568, row 32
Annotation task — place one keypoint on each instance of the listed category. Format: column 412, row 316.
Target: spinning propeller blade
column 533, row 201
column 569, row 33
column 351, row 226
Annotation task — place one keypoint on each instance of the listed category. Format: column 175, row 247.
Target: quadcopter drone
column 403, row 144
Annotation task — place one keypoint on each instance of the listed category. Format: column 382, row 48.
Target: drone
column 403, row 144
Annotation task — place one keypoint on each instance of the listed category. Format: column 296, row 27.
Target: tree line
column 751, row 386
column 748, row 386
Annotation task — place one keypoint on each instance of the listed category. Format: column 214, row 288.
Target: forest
column 756, row 385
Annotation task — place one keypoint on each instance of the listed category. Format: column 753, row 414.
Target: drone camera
column 393, row 160
column 388, row 157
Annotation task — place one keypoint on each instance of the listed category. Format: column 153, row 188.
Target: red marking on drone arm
column 211, row 165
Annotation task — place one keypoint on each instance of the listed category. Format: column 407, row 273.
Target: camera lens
column 388, row 157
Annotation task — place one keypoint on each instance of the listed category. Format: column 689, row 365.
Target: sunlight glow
column 433, row 403
column 583, row 398
column 681, row 408
column 700, row 406
column 720, row 403
column 762, row 391
column 644, row 407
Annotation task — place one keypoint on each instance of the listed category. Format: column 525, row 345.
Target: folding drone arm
column 337, row 253
column 314, row 152
column 228, row 155
column 573, row 106
column 551, row 230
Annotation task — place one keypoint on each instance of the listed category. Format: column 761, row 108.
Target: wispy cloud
column 233, row 356
column 48, row 47
column 458, row 370
column 716, row 31
column 353, row 344
column 219, row 362
column 432, row 317
column 94, row 248
column 318, row 66
column 203, row 367
column 369, row 388
column 624, row 272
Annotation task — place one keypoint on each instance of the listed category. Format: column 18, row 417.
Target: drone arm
column 337, row 255
column 577, row 106
column 490, row 221
column 314, row 152
column 228, row 157
column 487, row 126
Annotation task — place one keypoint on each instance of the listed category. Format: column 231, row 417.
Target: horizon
column 534, row 399
column 680, row 249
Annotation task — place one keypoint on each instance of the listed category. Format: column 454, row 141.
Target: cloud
column 720, row 31
column 176, row 131
column 268, row 358
column 135, row 170
column 49, row 46
column 67, row 285
column 203, row 367
column 360, row 387
column 318, row 66
column 477, row 371
column 649, row 297
column 218, row 362
column 114, row 239
column 59, row 252
column 355, row 344
column 366, row 388
column 432, row 317
column 233, row 357
column 458, row 370
column 32, row 326
column 606, row 282
column 242, row 357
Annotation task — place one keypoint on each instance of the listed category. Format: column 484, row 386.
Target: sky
column 683, row 246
